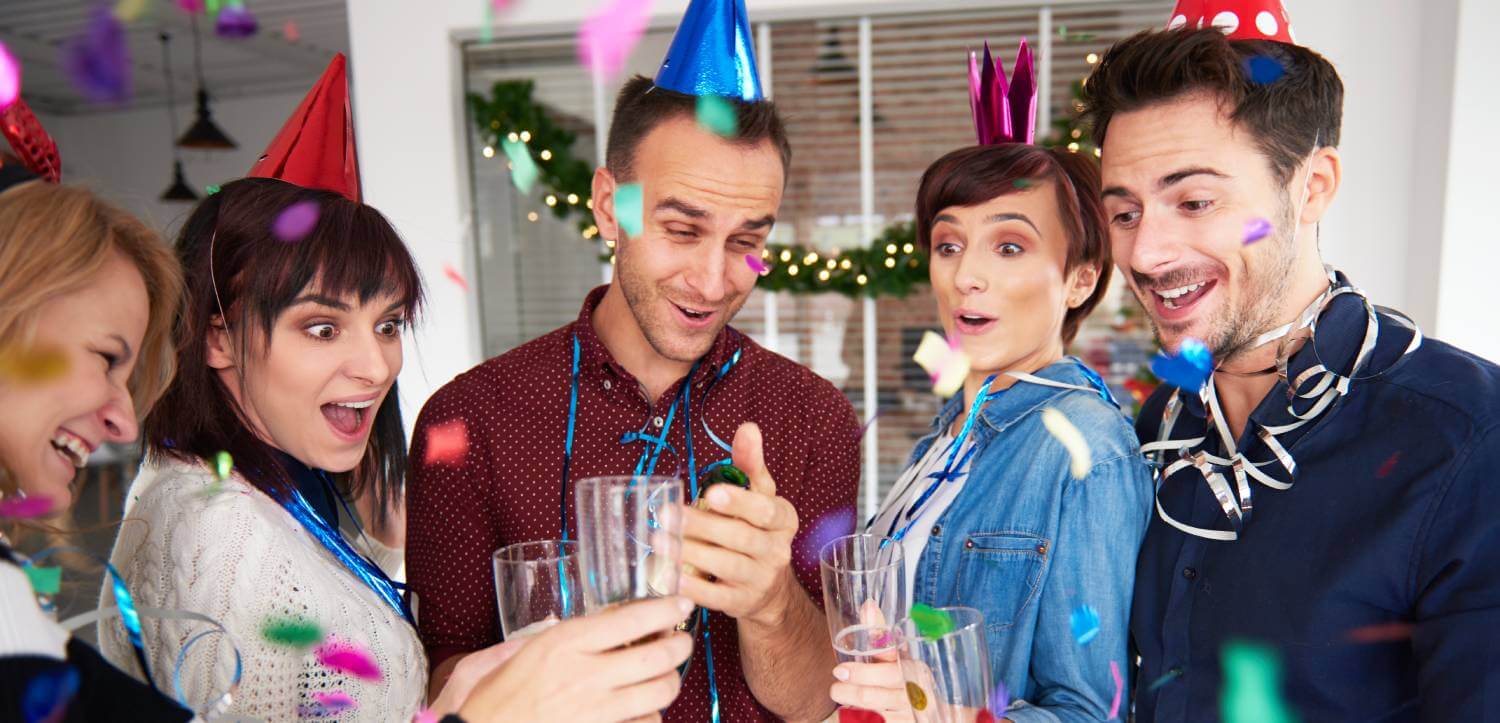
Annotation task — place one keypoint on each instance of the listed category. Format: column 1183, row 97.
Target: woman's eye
column 947, row 249
column 1125, row 219
column 322, row 331
column 1196, row 206
column 110, row 360
column 1010, row 249
column 389, row 328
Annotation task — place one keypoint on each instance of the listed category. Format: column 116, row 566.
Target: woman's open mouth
column 71, row 448
column 350, row 419
column 967, row 322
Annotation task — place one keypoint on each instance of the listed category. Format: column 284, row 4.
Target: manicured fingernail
column 841, row 673
column 718, row 497
column 685, row 605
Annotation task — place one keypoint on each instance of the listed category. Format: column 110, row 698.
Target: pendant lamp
column 179, row 190
column 204, row 134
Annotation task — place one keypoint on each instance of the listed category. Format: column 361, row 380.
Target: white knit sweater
column 238, row 557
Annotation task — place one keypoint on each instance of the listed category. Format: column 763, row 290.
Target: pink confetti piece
column 1114, row 671
column 756, row 264
column 191, row 7
column 1381, row 633
column 455, row 277
column 447, row 443
column 296, row 221
column 25, row 508
column 349, row 659
column 606, row 38
column 1257, row 229
column 425, row 716
column 291, row 32
column 10, row 78
column 333, row 702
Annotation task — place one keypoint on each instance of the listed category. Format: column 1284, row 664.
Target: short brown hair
column 974, row 175
column 642, row 106
column 1298, row 104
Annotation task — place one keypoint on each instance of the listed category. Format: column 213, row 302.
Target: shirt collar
column 1018, row 400
column 594, row 355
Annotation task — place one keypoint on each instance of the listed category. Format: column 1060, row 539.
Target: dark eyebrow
column 128, row 354
column 322, row 300
column 755, row 224
column 997, row 218
column 1165, row 182
column 683, row 207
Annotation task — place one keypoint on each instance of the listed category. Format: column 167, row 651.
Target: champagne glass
column 537, row 585
column 947, row 670
column 864, row 595
column 629, row 538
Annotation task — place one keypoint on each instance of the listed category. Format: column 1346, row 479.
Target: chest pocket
column 1000, row 574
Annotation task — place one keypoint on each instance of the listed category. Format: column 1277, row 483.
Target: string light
column 525, row 136
column 845, row 265
column 1077, row 133
column 890, row 263
column 1092, row 58
column 495, row 124
column 862, row 279
column 552, row 200
column 832, row 264
column 908, row 248
column 1098, row 153
column 532, row 217
column 513, row 137
column 488, row 152
column 546, row 154
column 589, row 204
column 1072, row 147
column 890, row 249
column 573, row 199
column 823, row 275
column 609, row 243
column 611, row 259
column 786, row 256
column 791, row 270
column 810, row 259
column 765, row 253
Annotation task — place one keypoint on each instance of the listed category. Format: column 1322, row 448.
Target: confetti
column 718, row 115
column 332, row 703
column 447, row 443
column 1114, row 672
column 349, row 659
column 1071, row 439
column 191, row 7
column 931, row 623
column 49, row 693
column 859, row 715
column 1021, row 183
column 425, row 716
column 1381, row 633
column 25, row 508
column 44, row 580
column 628, row 200
column 1257, row 229
column 1264, row 70
column 828, row 528
column 606, row 38
column 1388, row 466
column 455, row 277
column 1169, row 677
column 223, row 465
column 756, row 264
column 984, row 716
column 10, row 78
column 291, row 32
column 999, row 697
column 296, row 221
column 1188, row 369
column 33, row 366
column 882, row 640
column 98, row 61
column 129, row 10
column 211, row 189
column 291, row 632
column 213, row 6
column 1252, row 678
column 523, row 170
column 916, row 696
column 235, row 22
column 944, row 362
column 1085, row 622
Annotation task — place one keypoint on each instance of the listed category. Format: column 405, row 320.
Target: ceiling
column 36, row 31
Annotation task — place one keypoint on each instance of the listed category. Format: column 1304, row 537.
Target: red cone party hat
column 27, row 137
column 1239, row 19
column 315, row 149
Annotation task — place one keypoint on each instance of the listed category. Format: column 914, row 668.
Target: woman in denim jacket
column 998, row 521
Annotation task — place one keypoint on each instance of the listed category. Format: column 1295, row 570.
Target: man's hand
column 744, row 540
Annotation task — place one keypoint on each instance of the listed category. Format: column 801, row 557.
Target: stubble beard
column 646, row 301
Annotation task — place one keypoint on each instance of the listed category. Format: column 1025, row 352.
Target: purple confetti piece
column 334, row 702
column 756, row 264
column 999, row 697
column 1257, row 229
column 236, row 22
column 830, row 527
column 25, row 508
column 10, row 78
column 296, row 221
column 98, row 61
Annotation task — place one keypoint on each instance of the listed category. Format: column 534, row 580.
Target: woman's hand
column 579, row 669
column 879, row 686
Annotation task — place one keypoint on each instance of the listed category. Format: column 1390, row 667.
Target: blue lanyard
column 955, row 465
column 358, row 565
column 646, row 464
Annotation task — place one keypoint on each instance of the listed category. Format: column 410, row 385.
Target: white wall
column 407, row 59
column 127, row 155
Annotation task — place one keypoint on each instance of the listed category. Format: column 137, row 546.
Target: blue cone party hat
column 713, row 53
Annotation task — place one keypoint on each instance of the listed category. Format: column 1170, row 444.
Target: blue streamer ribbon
column 358, row 565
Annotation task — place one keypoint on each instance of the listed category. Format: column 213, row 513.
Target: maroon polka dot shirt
column 506, row 486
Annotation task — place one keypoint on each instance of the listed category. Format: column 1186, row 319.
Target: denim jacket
column 1027, row 545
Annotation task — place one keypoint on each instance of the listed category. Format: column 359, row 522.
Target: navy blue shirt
column 1375, row 578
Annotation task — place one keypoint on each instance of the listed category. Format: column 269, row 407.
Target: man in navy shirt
column 1328, row 495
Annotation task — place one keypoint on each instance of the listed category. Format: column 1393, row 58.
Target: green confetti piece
column 523, row 170
column 223, row 465
column 292, row 632
column 1021, row 183
column 1252, row 685
column 931, row 622
column 44, row 580
column 717, row 115
column 628, row 200
column 214, row 6
column 211, row 189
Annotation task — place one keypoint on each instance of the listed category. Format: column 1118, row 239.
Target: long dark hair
column 977, row 174
column 254, row 276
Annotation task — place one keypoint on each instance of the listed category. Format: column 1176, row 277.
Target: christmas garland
column 890, row 266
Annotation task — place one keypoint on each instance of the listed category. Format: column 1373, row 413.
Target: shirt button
column 937, row 530
column 658, row 422
column 1189, row 573
column 608, row 385
column 969, row 544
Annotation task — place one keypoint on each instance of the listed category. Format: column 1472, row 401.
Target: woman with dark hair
column 993, row 512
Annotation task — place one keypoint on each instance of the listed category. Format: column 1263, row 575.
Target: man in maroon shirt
column 651, row 368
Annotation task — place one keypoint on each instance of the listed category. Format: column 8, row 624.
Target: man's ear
column 1324, row 173
column 219, row 352
column 1081, row 284
column 604, row 205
